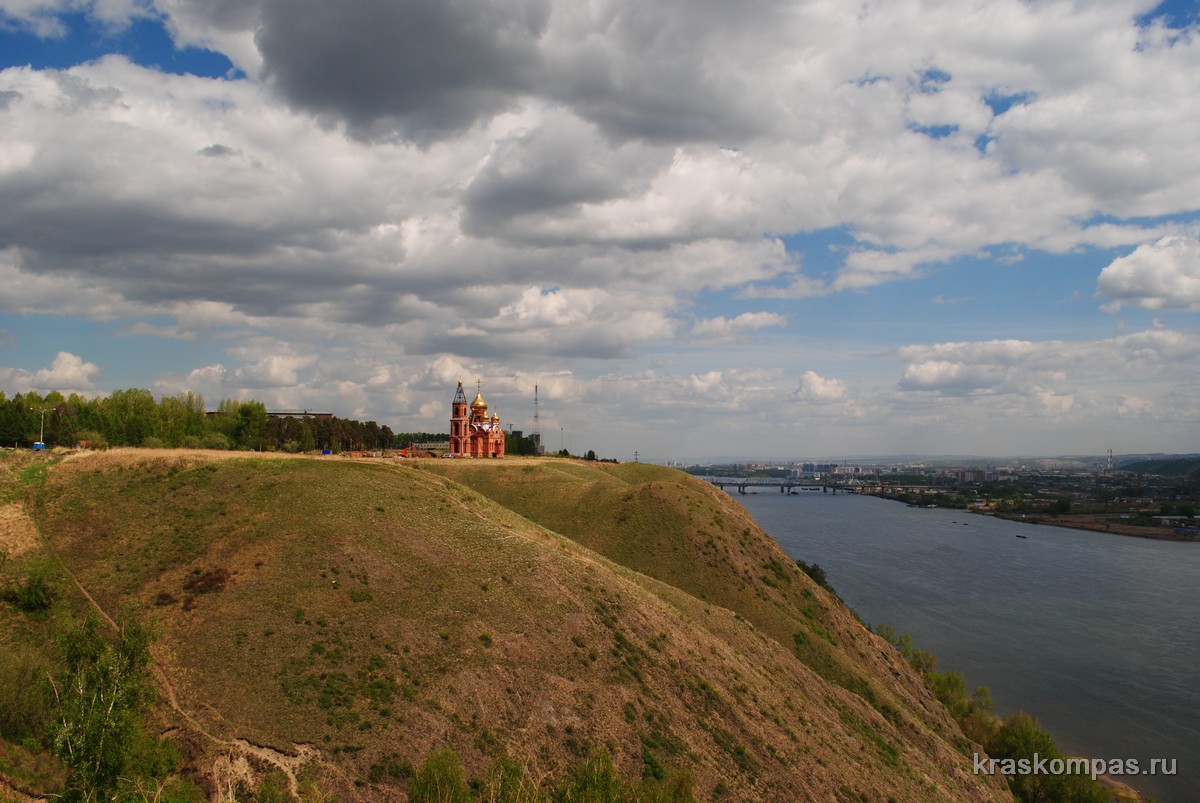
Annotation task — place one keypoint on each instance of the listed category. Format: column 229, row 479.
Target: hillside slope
column 330, row 617
column 687, row 533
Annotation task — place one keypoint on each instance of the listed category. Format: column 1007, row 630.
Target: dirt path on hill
column 234, row 767
column 229, row 769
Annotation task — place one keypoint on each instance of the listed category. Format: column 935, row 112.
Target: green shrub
column 440, row 780
column 99, row 695
column 1020, row 737
column 216, row 440
column 951, row 689
column 509, row 783
column 149, row 757
column 817, row 574
column 677, row 787
column 176, row 790
column 25, row 705
column 90, row 439
column 920, row 660
column 274, row 789
column 35, row 593
column 595, row 781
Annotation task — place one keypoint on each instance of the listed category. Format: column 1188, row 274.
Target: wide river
column 1096, row 635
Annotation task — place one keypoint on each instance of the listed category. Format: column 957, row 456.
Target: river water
column 1096, row 635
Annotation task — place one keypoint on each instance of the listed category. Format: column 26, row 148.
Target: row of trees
column 135, row 418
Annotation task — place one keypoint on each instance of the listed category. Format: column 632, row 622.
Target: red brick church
column 472, row 432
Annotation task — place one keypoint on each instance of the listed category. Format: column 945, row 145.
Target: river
column 1094, row 634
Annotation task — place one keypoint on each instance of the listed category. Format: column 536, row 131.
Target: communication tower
column 536, row 435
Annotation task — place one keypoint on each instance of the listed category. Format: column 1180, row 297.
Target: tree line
column 134, row 417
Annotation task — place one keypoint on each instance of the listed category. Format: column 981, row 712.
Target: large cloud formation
column 1160, row 275
column 542, row 181
column 418, row 69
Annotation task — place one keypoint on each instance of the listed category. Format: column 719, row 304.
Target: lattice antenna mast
column 537, row 424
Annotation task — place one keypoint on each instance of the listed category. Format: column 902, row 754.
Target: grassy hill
column 1187, row 468
column 331, row 623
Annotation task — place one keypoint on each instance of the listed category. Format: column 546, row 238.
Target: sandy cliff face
column 329, row 620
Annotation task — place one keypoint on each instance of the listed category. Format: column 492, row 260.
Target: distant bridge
column 786, row 485
column 846, row 486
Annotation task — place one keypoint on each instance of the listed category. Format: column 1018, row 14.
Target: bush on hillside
column 1021, row 737
column 817, row 574
column 25, row 706
column 440, row 780
column 98, row 695
column 34, row 593
column 1017, row 737
column 595, row 781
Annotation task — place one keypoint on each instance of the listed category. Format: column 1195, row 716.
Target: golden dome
column 495, row 418
column 479, row 403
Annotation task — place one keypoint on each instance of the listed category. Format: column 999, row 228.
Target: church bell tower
column 459, row 439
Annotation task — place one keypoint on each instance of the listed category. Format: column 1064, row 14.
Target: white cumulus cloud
column 68, row 373
column 739, row 328
column 1163, row 275
column 814, row 387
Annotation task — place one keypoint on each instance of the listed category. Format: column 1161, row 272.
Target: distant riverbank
column 1097, row 522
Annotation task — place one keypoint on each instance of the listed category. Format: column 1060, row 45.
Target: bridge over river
column 786, row 485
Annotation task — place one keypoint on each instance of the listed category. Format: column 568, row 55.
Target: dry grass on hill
column 17, row 532
column 358, row 615
column 19, row 470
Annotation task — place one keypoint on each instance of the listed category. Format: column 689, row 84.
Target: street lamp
column 41, row 429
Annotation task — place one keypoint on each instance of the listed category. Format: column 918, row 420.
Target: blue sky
column 924, row 228
column 81, row 36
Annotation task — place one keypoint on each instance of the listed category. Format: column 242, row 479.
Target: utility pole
column 42, row 426
column 537, row 426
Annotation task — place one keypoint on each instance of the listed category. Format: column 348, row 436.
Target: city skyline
column 795, row 228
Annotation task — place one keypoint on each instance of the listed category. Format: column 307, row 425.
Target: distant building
column 298, row 414
column 280, row 414
column 472, row 432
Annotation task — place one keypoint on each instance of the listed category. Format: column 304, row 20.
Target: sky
column 774, row 229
